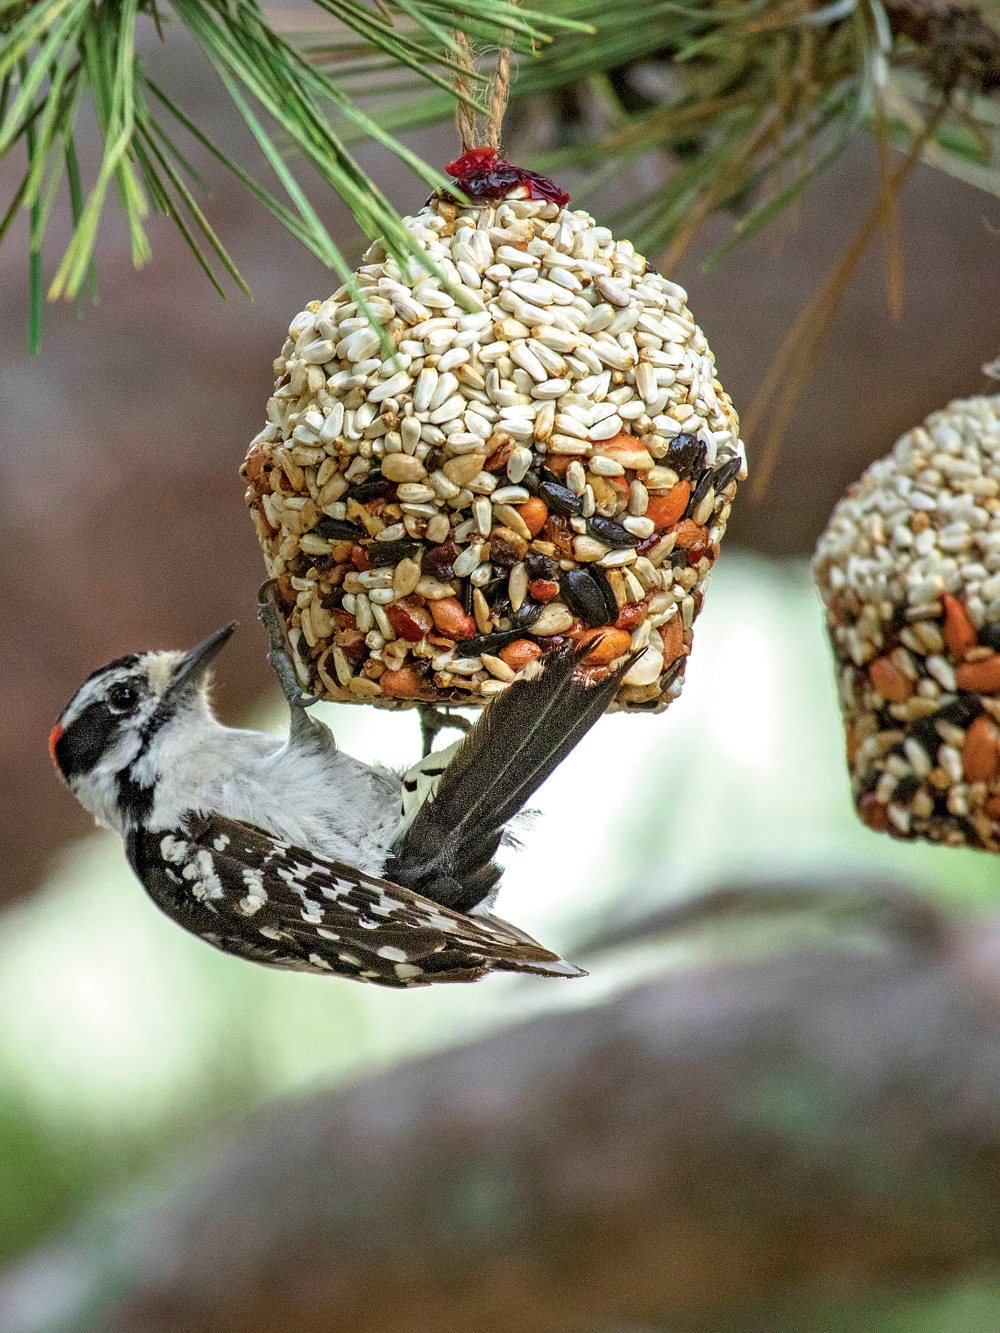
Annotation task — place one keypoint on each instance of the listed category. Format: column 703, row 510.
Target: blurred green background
column 127, row 1045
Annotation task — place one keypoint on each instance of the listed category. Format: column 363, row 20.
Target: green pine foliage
column 744, row 101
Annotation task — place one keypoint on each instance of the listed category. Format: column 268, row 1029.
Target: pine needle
column 890, row 215
column 794, row 361
column 759, row 97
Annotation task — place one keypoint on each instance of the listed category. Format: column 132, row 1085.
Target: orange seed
column 401, row 684
column 889, row 680
column 983, row 676
column 534, row 512
column 981, row 751
column 874, row 813
column 613, row 643
column 518, row 654
column 662, row 510
column 958, row 631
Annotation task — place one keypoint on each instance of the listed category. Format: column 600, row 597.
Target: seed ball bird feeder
column 547, row 455
column 909, row 570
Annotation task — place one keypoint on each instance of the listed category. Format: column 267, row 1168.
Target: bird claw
column 278, row 658
column 433, row 720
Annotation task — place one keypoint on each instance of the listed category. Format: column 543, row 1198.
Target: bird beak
column 196, row 662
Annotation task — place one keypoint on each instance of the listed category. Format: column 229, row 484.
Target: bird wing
column 258, row 897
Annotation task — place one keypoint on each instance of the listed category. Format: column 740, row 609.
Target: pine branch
column 57, row 54
column 758, row 98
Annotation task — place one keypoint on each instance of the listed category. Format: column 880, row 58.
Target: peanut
column 663, row 510
column 451, row 620
column 672, row 634
column 981, row 751
column 610, row 643
column 873, row 812
column 534, row 512
column 518, row 654
column 983, row 677
column 958, row 631
column 402, row 684
column 890, row 682
column 688, row 535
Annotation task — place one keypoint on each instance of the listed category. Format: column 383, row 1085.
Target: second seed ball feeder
column 909, row 569
column 549, row 457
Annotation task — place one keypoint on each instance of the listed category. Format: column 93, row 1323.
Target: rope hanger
column 466, row 119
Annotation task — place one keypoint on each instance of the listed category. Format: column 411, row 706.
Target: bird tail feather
column 521, row 737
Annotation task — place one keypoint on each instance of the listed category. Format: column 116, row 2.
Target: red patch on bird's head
column 57, row 732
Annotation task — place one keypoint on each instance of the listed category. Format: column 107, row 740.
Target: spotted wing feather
column 253, row 895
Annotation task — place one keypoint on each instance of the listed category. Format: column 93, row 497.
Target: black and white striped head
column 103, row 743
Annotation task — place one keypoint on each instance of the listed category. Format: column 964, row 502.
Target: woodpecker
column 288, row 852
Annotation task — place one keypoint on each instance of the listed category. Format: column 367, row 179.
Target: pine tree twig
column 803, row 68
column 794, row 360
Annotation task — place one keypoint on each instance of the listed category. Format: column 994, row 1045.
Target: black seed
column 686, row 455
column 971, row 833
column 609, row 532
column 584, row 598
column 560, row 499
column 390, row 553
column 926, row 735
column 323, row 564
column 899, row 620
column 527, row 613
column 493, row 590
column 941, row 805
column 726, row 472
column 370, row 490
column 531, row 482
column 700, row 491
column 467, row 596
column 678, row 558
column 541, row 566
column 989, row 636
column 487, row 643
column 905, row 790
column 339, row 529
column 500, row 606
column 961, row 712
column 607, row 592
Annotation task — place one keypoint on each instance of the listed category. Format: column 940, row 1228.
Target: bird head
column 106, row 740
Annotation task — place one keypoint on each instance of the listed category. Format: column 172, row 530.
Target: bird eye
column 122, row 697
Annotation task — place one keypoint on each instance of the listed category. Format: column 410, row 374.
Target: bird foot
column 433, row 720
column 278, row 655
